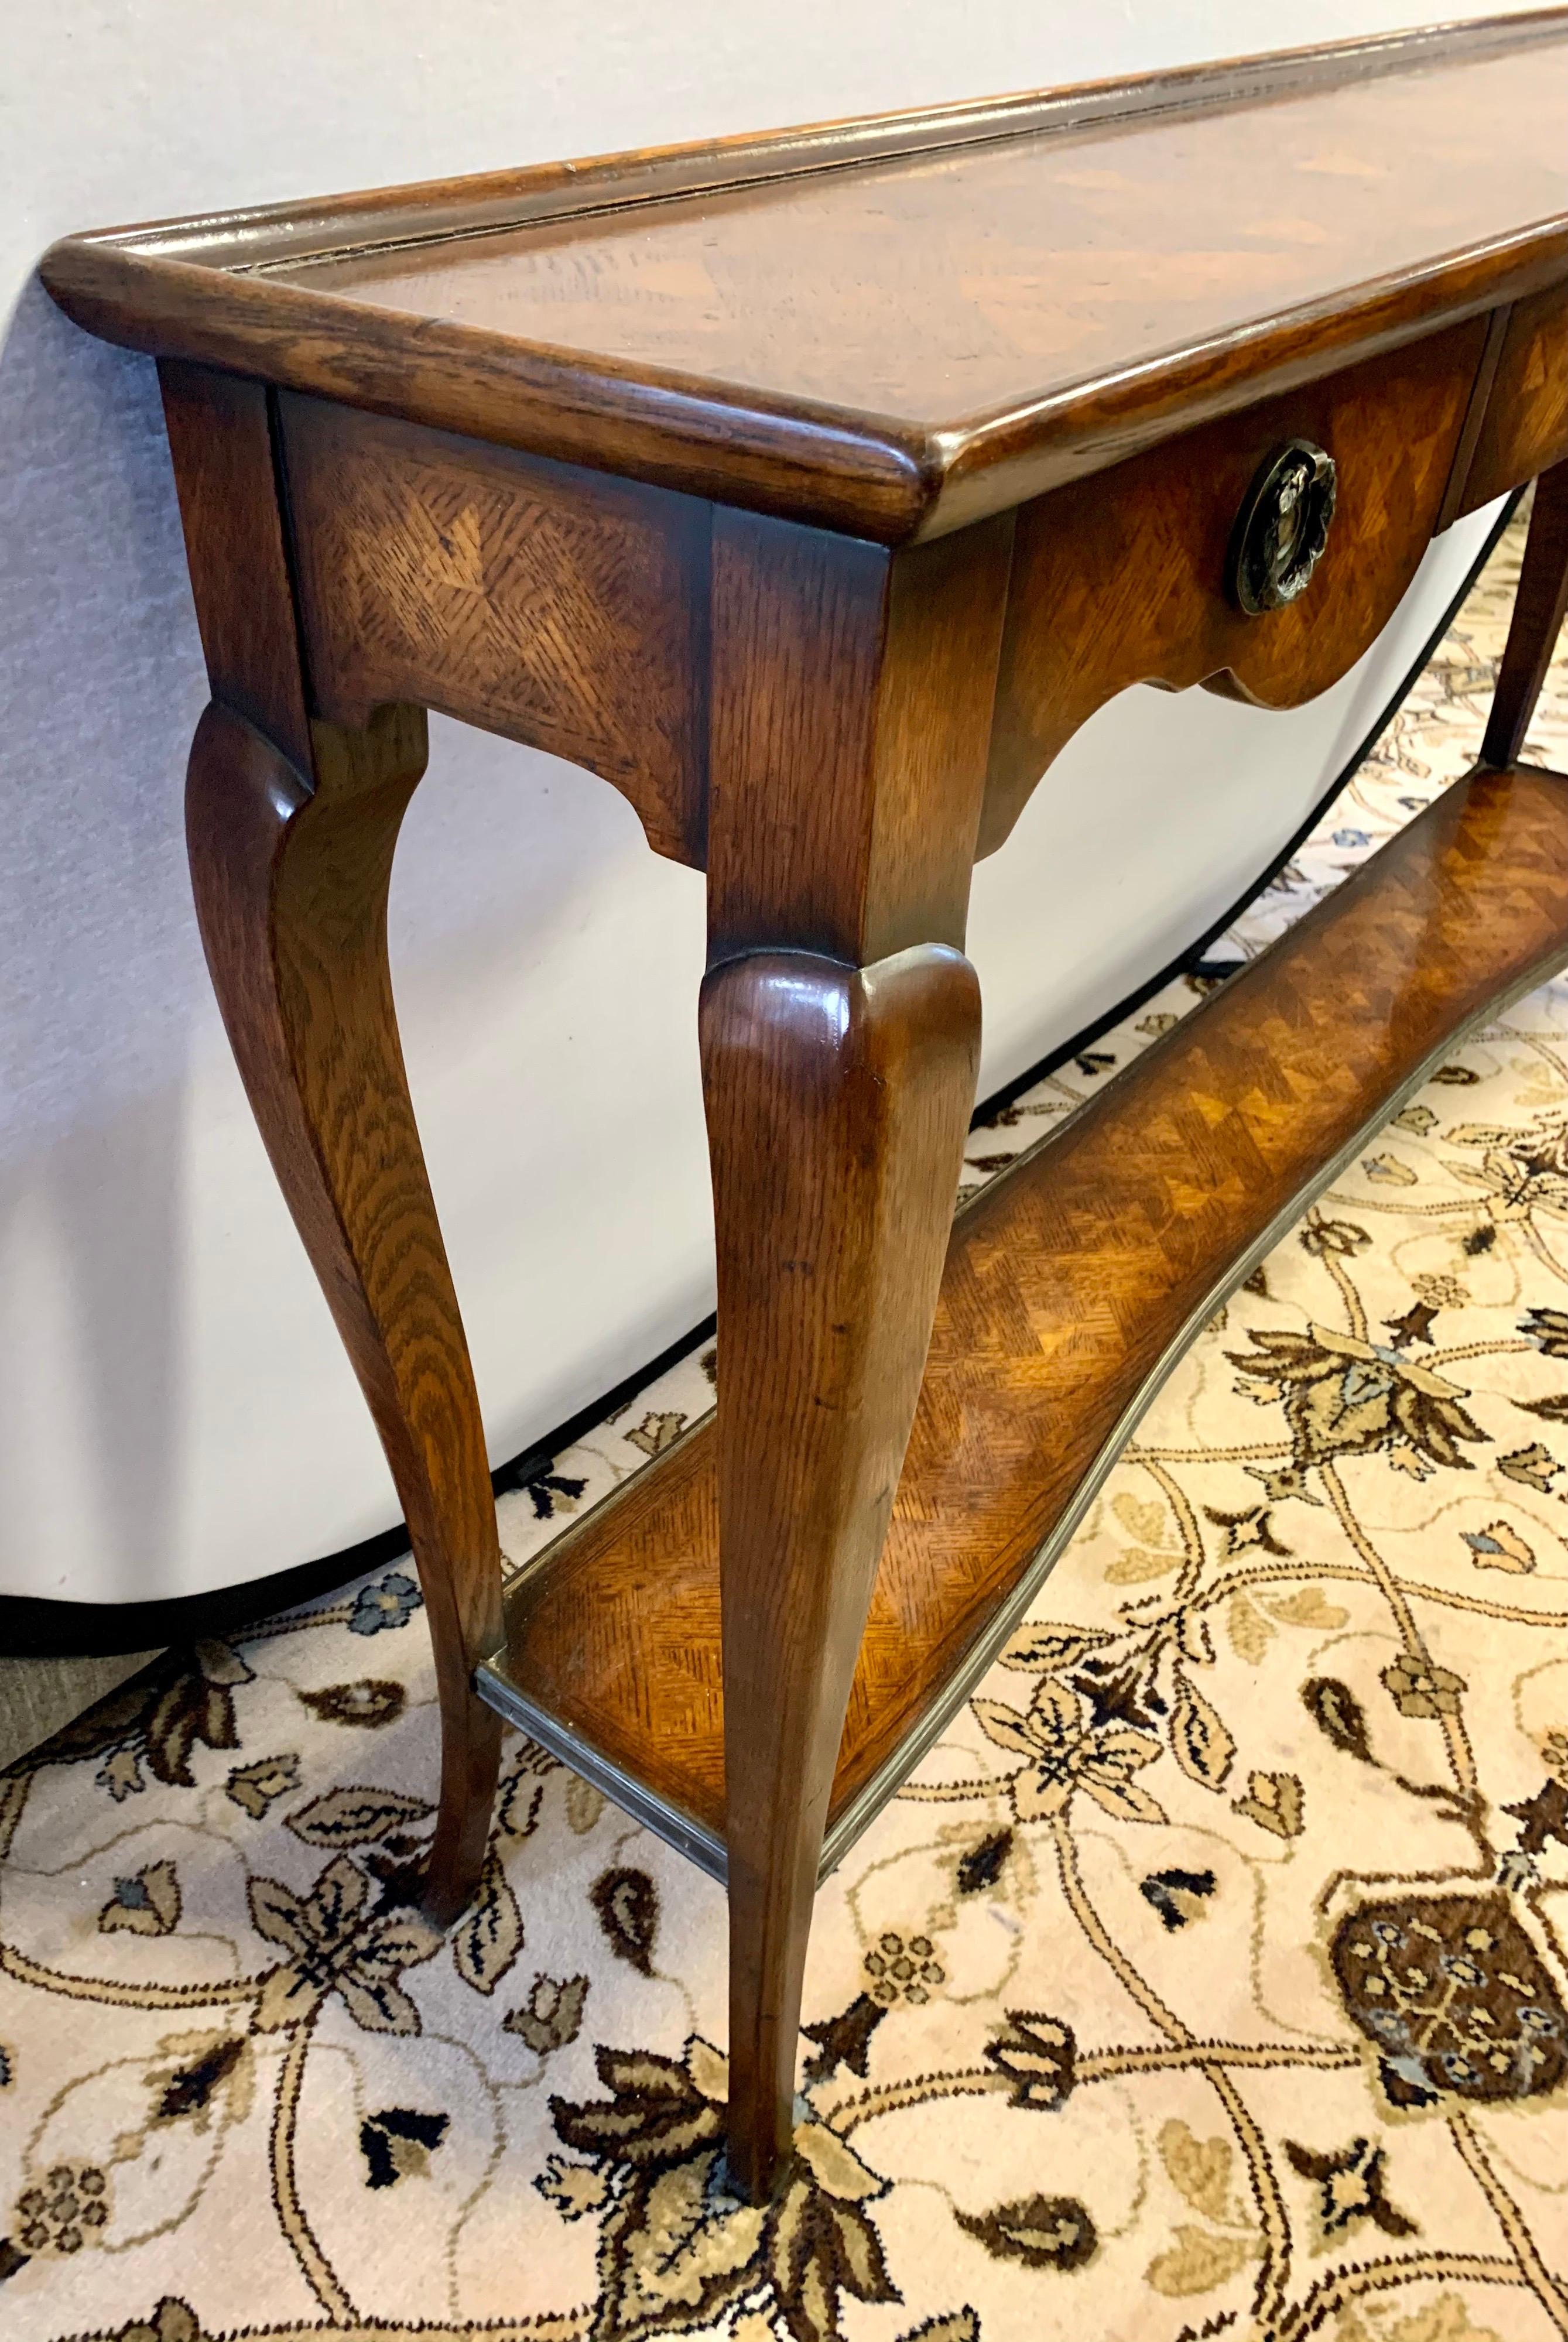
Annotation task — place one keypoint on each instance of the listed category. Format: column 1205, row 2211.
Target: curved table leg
column 291, row 888
column 838, row 1100
column 840, row 1040
column 1539, row 608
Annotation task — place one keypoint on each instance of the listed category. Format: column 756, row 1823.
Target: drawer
column 1121, row 578
column 1524, row 428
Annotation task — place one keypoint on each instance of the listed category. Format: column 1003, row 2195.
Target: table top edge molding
column 864, row 475
column 297, row 230
column 205, row 290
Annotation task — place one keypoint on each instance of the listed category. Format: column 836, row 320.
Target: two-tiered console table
column 812, row 489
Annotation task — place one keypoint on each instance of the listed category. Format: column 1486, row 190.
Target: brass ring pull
column 1281, row 527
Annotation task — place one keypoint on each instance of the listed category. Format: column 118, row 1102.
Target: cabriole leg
column 837, row 1103
column 291, row 826
column 1539, row 609
column 852, row 697
column 291, row 888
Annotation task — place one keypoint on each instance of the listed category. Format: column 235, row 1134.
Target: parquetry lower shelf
column 1072, row 1284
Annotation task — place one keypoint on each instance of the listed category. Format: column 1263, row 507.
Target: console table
column 811, row 490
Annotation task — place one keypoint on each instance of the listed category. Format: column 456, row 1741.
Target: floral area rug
column 1207, row 1979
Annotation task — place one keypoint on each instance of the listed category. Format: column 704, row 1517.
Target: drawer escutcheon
column 1281, row 527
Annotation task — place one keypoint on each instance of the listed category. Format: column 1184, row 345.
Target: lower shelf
column 1072, row 1285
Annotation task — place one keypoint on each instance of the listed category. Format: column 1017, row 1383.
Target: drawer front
column 1524, row 429
column 1124, row 577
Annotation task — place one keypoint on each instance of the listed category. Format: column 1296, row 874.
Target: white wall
column 175, row 1412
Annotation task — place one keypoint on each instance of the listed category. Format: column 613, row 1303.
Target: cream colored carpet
column 1207, row 1980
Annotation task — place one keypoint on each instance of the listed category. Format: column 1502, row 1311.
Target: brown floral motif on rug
column 1454, row 1996
column 676, row 2245
column 1042, row 2232
column 1344, row 1396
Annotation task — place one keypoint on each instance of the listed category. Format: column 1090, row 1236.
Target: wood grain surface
column 291, row 880
column 1121, row 578
column 291, row 826
column 236, row 548
column 1540, row 607
column 265, row 235
column 940, row 286
column 1524, row 428
column 562, row 607
column 852, row 694
column 837, row 1101
column 572, row 611
column 852, row 689
column 1066, row 1283
column 897, row 347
